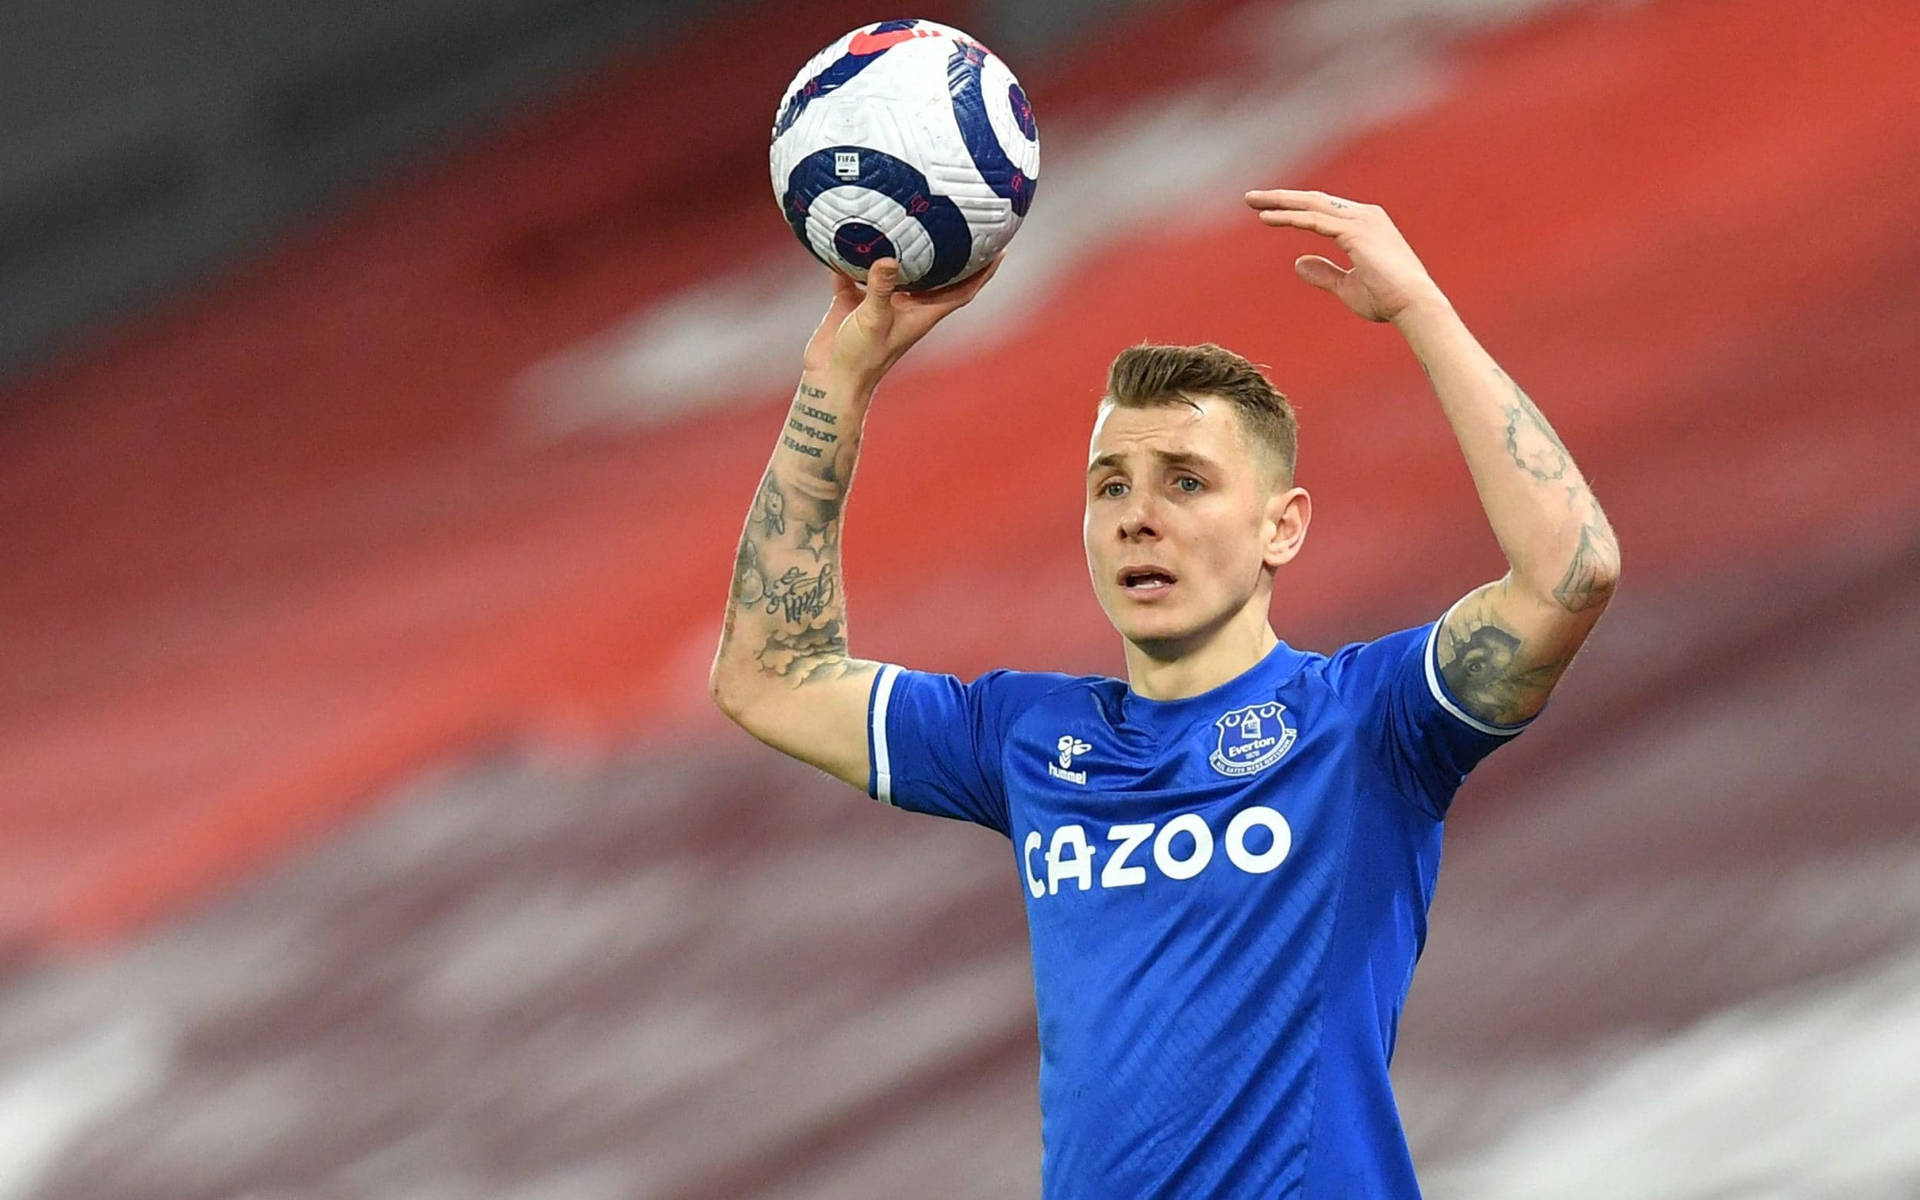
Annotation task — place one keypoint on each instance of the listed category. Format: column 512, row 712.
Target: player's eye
column 1113, row 489
column 1188, row 483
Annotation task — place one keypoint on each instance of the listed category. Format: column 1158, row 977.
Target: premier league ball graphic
column 906, row 140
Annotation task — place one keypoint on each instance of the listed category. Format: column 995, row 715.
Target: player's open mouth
column 1143, row 583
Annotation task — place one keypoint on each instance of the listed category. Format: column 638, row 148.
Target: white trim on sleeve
column 882, row 764
column 1440, row 693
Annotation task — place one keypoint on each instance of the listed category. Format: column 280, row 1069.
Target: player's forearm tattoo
column 798, row 598
column 809, row 655
column 1489, row 667
column 800, row 613
column 1586, row 581
column 1535, row 447
column 810, row 422
column 1589, row 580
column 818, row 539
column 787, row 598
column 749, row 581
column 811, row 431
column 770, row 508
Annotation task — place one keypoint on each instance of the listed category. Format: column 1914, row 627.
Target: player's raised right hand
column 866, row 331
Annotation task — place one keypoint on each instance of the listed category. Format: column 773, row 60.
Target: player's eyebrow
column 1172, row 458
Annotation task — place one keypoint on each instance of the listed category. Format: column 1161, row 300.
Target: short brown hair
column 1149, row 374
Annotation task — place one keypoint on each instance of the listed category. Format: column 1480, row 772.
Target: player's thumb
column 1318, row 271
column 882, row 277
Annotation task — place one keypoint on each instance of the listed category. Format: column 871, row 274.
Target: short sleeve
column 933, row 742
column 1425, row 736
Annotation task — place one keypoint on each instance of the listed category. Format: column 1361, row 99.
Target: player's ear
column 1288, row 512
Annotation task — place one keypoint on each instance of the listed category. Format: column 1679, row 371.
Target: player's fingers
column 967, row 289
column 989, row 270
column 844, row 288
column 1290, row 198
column 1320, row 272
column 1313, row 222
column 952, row 296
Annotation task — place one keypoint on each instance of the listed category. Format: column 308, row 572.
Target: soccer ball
column 909, row 140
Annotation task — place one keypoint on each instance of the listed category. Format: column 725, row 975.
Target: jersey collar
column 1257, row 682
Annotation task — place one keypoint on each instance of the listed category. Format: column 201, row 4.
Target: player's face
column 1180, row 522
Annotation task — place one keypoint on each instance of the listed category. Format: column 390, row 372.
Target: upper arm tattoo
column 1489, row 665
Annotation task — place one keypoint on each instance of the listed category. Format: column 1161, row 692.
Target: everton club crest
column 1252, row 739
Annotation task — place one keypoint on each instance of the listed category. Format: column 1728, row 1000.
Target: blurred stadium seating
column 365, row 830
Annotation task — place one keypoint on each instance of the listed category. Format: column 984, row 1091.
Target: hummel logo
column 1069, row 746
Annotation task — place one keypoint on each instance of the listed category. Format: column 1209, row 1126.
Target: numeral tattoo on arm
column 810, row 423
column 818, row 435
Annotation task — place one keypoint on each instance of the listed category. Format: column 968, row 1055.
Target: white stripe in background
column 1307, row 76
column 882, row 761
column 1809, row 1093
column 54, row 1098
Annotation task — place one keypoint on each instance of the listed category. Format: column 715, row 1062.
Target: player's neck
column 1230, row 651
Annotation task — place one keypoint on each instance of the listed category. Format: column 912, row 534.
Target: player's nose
column 1137, row 520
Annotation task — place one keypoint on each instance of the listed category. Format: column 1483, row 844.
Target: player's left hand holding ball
column 1386, row 281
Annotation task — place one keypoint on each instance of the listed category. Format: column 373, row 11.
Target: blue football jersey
column 1226, row 895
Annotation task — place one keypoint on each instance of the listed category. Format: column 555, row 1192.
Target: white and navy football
column 909, row 140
